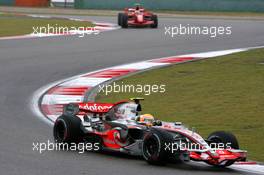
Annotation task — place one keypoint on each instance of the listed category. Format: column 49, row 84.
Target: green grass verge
column 204, row 13
column 223, row 93
column 19, row 25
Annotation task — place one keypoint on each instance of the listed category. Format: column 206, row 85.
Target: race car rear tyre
column 67, row 129
column 124, row 21
column 225, row 138
column 155, row 19
column 153, row 148
column 119, row 18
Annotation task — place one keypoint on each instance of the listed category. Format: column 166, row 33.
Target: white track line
column 259, row 169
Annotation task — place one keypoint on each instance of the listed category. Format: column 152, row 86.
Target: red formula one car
column 119, row 127
column 137, row 17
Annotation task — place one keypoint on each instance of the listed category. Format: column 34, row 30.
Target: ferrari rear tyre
column 153, row 148
column 155, row 19
column 67, row 129
column 124, row 21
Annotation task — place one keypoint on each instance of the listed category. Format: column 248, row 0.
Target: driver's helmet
column 146, row 119
column 137, row 6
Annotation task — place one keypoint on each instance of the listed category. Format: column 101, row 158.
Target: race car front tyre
column 67, row 129
column 227, row 139
column 154, row 18
column 119, row 18
column 153, row 148
column 124, row 21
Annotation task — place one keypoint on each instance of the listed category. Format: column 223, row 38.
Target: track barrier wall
column 32, row 3
column 7, row 2
column 179, row 5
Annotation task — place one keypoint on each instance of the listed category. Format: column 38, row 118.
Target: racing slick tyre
column 124, row 21
column 155, row 19
column 224, row 138
column 119, row 18
column 67, row 129
column 154, row 144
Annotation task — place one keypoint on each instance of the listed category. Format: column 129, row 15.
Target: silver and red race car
column 120, row 127
column 137, row 17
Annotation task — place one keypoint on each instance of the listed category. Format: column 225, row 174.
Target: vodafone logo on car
column 95, row 107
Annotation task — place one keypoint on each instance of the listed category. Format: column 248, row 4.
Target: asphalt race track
column 28, row 64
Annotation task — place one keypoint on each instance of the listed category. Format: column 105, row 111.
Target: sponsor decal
column 94, row 107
